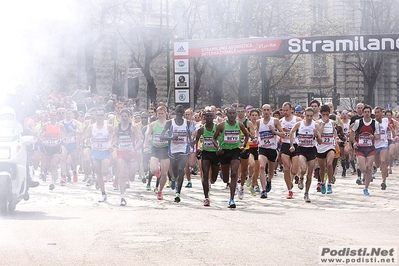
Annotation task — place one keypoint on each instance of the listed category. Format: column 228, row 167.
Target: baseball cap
column 298, row 109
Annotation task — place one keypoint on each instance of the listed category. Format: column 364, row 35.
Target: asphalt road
column 68, row 226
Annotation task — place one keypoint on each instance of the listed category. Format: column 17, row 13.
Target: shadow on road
column 33, row 215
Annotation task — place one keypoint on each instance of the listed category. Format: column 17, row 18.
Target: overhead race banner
column 289, row 45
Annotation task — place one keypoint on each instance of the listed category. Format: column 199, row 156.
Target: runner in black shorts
column 158, row 148
column 289, row 158
column 228, row 144
column 209, row 159
column 306, row 132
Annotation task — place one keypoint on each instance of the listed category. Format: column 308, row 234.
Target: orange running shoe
column 290, row 195
column 159, row 195
column 207, row 203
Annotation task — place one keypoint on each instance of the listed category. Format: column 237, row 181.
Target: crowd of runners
column 245, row 146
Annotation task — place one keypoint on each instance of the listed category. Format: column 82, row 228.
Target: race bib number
column 125, row 146
column 51, row 142
column 157, row 141
column 327, row 139
column 389, row 134
column 383, row 135
column 208, row 144
column 231, row 136
column 365, row 140
column 100, row 145
column 286, row 134
column 305, row 141
column 267, row 139
column 69, row 139
column 181, row 137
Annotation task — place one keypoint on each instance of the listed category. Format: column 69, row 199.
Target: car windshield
column 9, row 132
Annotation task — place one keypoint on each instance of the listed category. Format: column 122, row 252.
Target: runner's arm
column 148, row 134
column 246, row 134
column 279, row 132
column 219, row 129
column 293, row 130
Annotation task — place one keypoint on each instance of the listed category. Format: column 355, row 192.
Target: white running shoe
column 103, row 198
column 241, row 193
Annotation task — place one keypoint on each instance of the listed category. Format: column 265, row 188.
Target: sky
column 16, row 18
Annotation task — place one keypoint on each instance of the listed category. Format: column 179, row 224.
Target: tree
column 145, row 39
column 378, row 17
column 92, row 16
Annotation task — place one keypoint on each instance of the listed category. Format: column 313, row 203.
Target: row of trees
column 227, row 79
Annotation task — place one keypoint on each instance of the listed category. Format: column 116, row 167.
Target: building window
column 320, row 65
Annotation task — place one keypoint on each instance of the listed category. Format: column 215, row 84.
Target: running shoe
column 323, row 188
column 374, row 169
column 268, row 186
column 148, row 188
column 344, row 172
column 143, row 179
column 290, row 195
column 383, row 186
column 372, row 178
column 275, row 173
column 69, row 180
column 159, row 195
column 169, row 184
column 173, row 185
column 90, row 182
column 248, row 183
column 329, row 189
column 252, row 191
column 63, row 181
column 241, row 193
column 390, row 170
column 123, row 202
column 263, row 195
column 359, row 181
column 257, row 189
column 51, row 187
column 156, row 190
column 207, row 203
column 306, row 198
column 316, row 173
column 366, row 192
column 296, row 179
column 318, row 188
column 227, row 186
column 333, row 180
column 189, row 185
column 177, row 198
column 354, row 172
column 42, row 177
column 300, row 183
column 103, row 198
column 75, row 177
column 232, row 204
